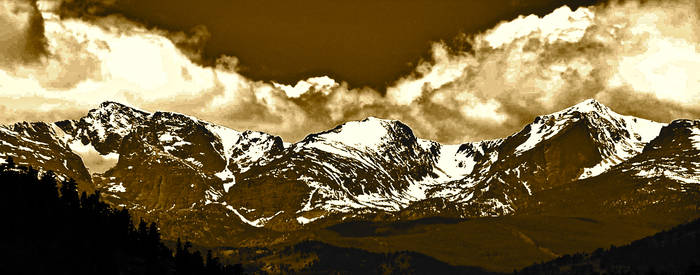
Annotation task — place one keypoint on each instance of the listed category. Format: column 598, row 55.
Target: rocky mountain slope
column 43, row 145
column 579, row 142
column 181, row 170
column 664, row 179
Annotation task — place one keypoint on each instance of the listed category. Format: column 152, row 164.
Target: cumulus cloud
column 22, row 33
column 322, row 84
column 630, row 56
column 82, row 8
column 640, row 59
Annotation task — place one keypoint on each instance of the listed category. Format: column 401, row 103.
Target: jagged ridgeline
column 50, row 229
column 570, row 181
column 167, row 164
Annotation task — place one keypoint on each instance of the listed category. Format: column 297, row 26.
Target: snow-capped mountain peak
column 116, row 114
column 588, row 106
column 680, row 133
column 617, row 137
column 606, row 125
column 369, row 133
column 110, row 118
column 369, row 164
column 366, row 133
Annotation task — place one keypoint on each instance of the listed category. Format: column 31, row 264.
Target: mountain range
column 212, row 184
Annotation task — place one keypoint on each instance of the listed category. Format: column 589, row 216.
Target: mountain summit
column 164, row 163
column 615, row 137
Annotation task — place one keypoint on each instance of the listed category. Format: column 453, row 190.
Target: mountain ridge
column 169, row 162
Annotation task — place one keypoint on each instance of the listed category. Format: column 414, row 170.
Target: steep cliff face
column 582, row 141
column 669, row 164
column 174, row 167
column 664, row 179
column 163, row 160
column 148, row 175
column 43, row 146
column 104, row 127
column 372, row 164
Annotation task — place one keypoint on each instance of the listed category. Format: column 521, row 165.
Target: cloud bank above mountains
column 640, row 59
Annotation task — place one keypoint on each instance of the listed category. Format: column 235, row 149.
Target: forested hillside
column 51, row 229
column 676, row 251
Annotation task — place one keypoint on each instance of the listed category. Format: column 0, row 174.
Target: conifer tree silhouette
column 56, row 231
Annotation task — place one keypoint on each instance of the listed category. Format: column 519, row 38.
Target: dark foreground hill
column 50, row 229
column 315, row 257
column 676, row 251
column 53, row 230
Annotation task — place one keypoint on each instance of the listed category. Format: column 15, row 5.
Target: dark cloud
column 22, row 34
column 637, row 58
column 364, row 42
column 86, row 8
column 192, row 42
column 629, row 102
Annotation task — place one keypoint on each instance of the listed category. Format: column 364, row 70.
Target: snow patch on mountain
column 547, row 126
column 363, row 141
column 116, row 187
column 171, row 143
column 677, row 174
column 338, row 149
column 60, row 134
column 539, row 132
column 453, row 164
column 620, row 137
column 211, row 196
column 683, row 177
column 341, row 200
column 228, row 185
column 303, row 220
column 255, row 146
column 695, row 137
column 376, row 200
column 368, row 133
column 527, row 187
column 167, row 137
column 112, row 117
column 415, row 192
column 228, row 137
column 93, row 160
column 496, row 207
column 640, row 132
column 260, row 222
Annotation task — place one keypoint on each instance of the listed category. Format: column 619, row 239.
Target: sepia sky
column 363, row 42
column 454, row 71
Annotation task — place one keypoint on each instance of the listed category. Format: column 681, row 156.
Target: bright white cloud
column 622, row 54
column 562, row 24
column 445, row 69
column 322, row 84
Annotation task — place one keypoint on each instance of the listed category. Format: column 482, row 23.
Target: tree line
column 676, row 251
column 52, row 229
